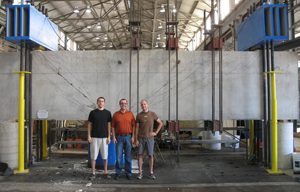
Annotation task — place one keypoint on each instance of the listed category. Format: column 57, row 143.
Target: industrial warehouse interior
column 221, row 75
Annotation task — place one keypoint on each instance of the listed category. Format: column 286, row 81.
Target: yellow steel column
column 251, row 137
column 21, row 122
column 45, row 136
column 274, row 123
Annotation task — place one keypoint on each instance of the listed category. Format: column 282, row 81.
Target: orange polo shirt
column 123, row 122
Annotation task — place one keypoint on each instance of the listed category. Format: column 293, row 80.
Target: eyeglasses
column 123, row 103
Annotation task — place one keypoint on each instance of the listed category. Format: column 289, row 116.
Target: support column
column 236, row 22
column 21, row 122
column 251, row 138
column 45, row 136
column 274, row 131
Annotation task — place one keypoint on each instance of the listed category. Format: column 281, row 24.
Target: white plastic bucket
column 208, row 135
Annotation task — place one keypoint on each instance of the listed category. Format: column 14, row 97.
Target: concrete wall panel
column 67, row 84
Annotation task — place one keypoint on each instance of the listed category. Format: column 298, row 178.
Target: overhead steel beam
column 60, row 0
column 153, row 25
column 291, row 44
column 124, row 29
column 105, row 15
column 190, row 15
column 116, row 18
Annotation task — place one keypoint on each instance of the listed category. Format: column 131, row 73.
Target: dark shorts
column 146, row 142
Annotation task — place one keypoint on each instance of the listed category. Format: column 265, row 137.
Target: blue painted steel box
column 269, row 22
column 25, row 23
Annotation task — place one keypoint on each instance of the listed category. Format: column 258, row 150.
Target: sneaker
column 140, row 176
column 151, row 176
column 92, row 176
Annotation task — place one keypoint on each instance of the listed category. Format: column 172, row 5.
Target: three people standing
column 125, row 131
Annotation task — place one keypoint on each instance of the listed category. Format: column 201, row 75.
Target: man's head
column 123, row 104
column 101, row 102
column 144, row 105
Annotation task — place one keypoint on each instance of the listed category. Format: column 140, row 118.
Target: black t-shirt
column 99, row 120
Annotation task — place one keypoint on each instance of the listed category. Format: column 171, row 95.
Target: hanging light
column 160, row 26
column 98, row 26
column 88, row 26
column 105, row 37
column 174, row 9
column 76, row 10
column 103, row 45
column 158, row 37
column 162, row 10
column 156, row 45
column 165, row 37
column 110, row 45
column 97, row 37
column 164, row 45
column 88, row 9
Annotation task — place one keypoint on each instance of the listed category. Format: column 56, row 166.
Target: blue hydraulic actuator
column 25, row 23
column 268, row 22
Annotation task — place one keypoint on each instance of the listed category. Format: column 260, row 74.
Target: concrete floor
column 198, row 170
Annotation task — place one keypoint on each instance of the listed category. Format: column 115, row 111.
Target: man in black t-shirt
column 99, row 126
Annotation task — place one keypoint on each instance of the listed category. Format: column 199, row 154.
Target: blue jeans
column 123, row 142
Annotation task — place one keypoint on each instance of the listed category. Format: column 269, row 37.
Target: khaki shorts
column 98, row 143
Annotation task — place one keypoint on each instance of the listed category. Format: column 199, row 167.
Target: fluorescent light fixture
column 158, row 37
column 76, row 10
column 174, row 9
column 160, row 26
column 98, row 26
column 162, row 10
column 88, row 9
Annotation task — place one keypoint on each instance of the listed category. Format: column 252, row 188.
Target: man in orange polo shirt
column 123, row 130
